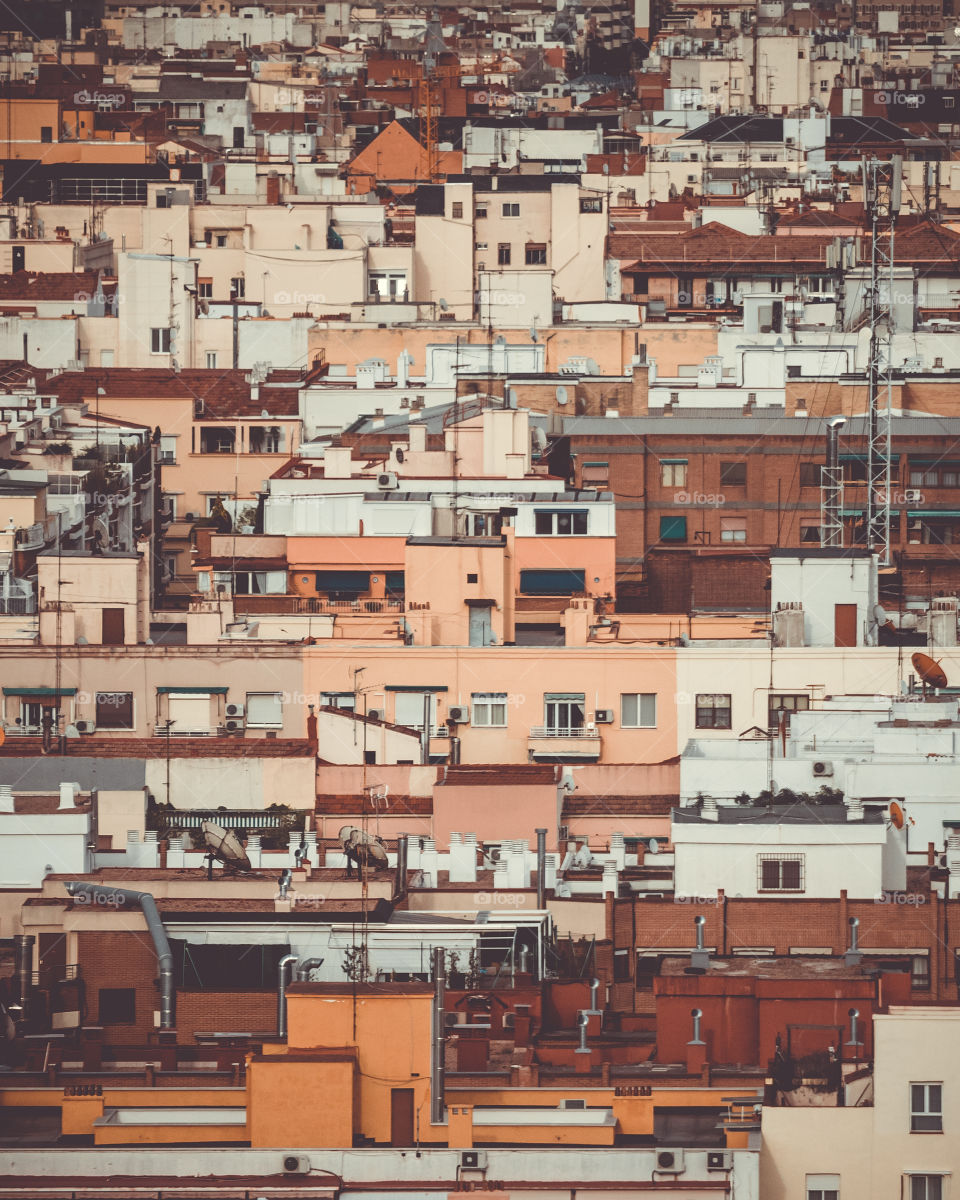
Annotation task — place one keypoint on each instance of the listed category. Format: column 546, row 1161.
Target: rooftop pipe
column 282, row 965
column 118, row 898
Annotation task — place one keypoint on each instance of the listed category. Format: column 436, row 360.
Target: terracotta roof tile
column 76, row 286
column 124, row 747
column 224, row 393
column 504, row 775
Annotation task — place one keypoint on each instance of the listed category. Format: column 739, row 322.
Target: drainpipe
column 541, row 868
column 437, row 1105
column 286, row 961
column 118, row 898
column 23, row 947
column 305, row 966
column 400, row 883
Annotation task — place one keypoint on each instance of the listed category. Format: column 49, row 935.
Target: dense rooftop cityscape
column 479, row 587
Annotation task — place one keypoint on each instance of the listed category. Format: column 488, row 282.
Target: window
column 920, row 973
column 456, row 210
column 924, row 1187
column 621, row 966
column 345, row 700
column 733, row 474
column 673, row 472
column 503, row 254
column 218, row 439
column 510, row 210
column 221, row 239
column 926, row 1108
column 823, row 1187
column 561, row 581
column 160, row 341
column 252, row 583
column 784, row 703
column 168, row 448
column 780, row 872
column 488, row 708
column 238, row 287
column 265, row 710
column 595, row 475
column 117, row 1006
column 713, row 710
column 733, row 529
column 535, row 255
column 46, row 133
column 205, row 289
column 211, row 360
column 563, row 712
column 638, row 710
column 810, row 533
column 673, row 529
column 591, row 204
column 481, row 212
column 114, row 710
column 560, row 524
column 810, row 474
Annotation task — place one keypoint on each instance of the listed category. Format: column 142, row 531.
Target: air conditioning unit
column 473, row 1160
column 375, row 714
column 719, row 1160
column 387, row 480
column 576, row 1105
column 459, row 713
column 234, row 710
column 670, row 1161
column 85, row 726
column 604, row 716
column 451, row 1019
column 234, row 727
column 823, row 769
column 296, row 1164
column 913, row 495
column 509, row 1020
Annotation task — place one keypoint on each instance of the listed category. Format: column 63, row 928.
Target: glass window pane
column 628, row 709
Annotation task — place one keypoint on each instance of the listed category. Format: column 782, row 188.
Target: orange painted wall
column 301, row 1102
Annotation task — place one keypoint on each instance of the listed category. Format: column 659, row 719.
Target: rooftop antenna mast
column 882, row 193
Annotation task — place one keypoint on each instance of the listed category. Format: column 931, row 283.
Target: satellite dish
column 224, row 846
column 539, row 438
column 653, row 846
column 880, row 614
column 561, row 395
column 362, row 847
column 443, row 304
column 929, row 670
column 500, row 341
column 896, row 815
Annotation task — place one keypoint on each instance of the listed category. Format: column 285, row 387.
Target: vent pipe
column 583, row 1021
column 286, row 961
column 23, row 949
column 305, row 966
column 541, row 868
column 286, row 878
column 699, row 960
column 437, row 1104
column 119, row 898
column 853, row 956
column 400, row 883
column 853, row 1014
column 594, row 995
column 697, row 1014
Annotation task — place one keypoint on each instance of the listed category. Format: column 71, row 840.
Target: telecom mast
column 881, row 195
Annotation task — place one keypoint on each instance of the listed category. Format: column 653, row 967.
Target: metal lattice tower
column 881, row 191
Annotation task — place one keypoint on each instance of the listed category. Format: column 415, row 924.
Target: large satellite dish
column 224, row 846
column 362, row 847
column 896, row 815
column 929, row 670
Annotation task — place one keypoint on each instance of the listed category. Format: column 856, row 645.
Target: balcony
column 314, row 606
column 561, row 742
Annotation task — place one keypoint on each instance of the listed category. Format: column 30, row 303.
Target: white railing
column 562, row 731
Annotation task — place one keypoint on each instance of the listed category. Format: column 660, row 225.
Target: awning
column 39, row 691
column 192, row 691
column 931, row 512
column 416, row 687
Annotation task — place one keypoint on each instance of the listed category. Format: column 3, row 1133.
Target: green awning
column 192, row 691
column 931, row 512
column 39, row 691
column 673, row 462
column 416, row 687
column 557, row 582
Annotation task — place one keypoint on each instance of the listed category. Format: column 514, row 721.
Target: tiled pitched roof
column 576, row 805
column 505, row 775
column 132, row 747
column 70, row 286
column 715, row 244
column 224, row 393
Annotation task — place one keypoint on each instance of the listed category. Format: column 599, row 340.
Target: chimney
column 312, row 734
column 400, row 882
column 541, row 868
column 68, row 795
column 23, row 969
column 854, row 1040
column 852, row 956
column 709, row 810
column 699, row 959
column 7, row 802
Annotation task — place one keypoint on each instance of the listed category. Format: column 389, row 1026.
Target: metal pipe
column 305, row 966
column 286, row 878
column 594, row 995
column 853, row 1013
column 23, row 947
column 697, row 1014
column 118, row 898
column 699, row 923
column 854, row 923
column 583, row 1021
column 437, row 1104
column 284, row 962
column 541, row 867
column 400, row 884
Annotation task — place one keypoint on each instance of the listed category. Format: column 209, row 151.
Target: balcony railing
column 17, row 606
column 562, row 731
column 47, row 976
